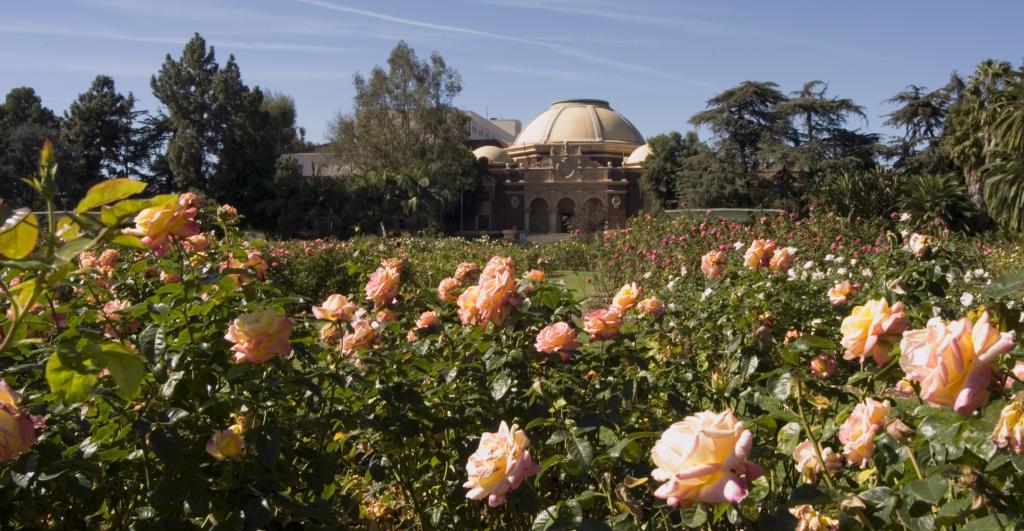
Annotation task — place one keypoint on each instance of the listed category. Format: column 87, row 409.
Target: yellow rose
column 759, row 254
column 499, row 465
column 337, row 307
column 872, row 330
column 1009, row 430
column 259, row 336
column 157, row 225
column 625, row 298
column 225, row 444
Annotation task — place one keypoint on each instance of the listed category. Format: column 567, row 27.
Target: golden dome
column 638, row 156
column 579, row 121
column 494, row 155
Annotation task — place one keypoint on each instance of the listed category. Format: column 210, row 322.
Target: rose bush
column 185, row 384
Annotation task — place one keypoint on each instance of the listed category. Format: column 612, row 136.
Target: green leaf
column 108, row 192
column 14, row 218
column 580, row 451
column 500, row 385
column 129, row 241
column 73, row 248
column 789, row 438
column 67, row 229
column 545, row 518
column 70, row 378
column 782, row 387
column 19, row 241
column 114, row 214
column 1006, row 286
column 695, row 516
column 931, row 490
column 126, row 367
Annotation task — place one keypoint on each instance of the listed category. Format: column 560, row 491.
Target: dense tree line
column 959, row 156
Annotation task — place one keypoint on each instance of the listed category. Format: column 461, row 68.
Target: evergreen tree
column 24, row 124
column 281, row 110
column 743, row 119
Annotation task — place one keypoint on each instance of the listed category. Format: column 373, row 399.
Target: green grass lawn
column 582, row 284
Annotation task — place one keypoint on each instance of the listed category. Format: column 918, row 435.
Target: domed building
column 575, row 165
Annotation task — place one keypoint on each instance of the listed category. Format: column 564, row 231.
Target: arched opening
column 539, row 223
column 566, row 211
column 592, row 216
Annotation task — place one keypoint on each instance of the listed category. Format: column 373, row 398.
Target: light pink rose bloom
column 1009, row 431
column 466, row 271
column 337, row 307
column 107, row 259
column 467, row 305
column 808, row 464
column 446, row 289
column 953, row 362
column 713, row 264
column 158, row 225
column 650, row 306
column 427, row 319
column 1016, row 373
column 170, row 278
column 808, row 519
column 257, row 264
column 228, row 211
column 387, row 315
column 626, row 298
column 872, row 329
column 225, row 444
column 918, row 244
column 858, row 432
column 602, row 324
column 497, row 290
column 259, row 336
column 363, row 334
column 782, row 259
column 17, row 428
column 703, row 458
column 840, row 292
column 759, row 254
column 500, row 464
column 382, row 287
column 557, row 337
column 196, row 244
column 905, row 388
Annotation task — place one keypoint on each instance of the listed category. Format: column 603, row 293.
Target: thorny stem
column 810, row 435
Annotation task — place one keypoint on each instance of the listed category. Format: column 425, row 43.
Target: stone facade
column 576, row 165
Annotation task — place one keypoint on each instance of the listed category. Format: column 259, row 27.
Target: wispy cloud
column 94, row 33
column 558, row 48
column 547, row 73
column 616, row 11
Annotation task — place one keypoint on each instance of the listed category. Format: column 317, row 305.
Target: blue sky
column 657, row 62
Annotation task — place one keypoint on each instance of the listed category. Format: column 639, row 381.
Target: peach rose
column 782, row 259
column 426, row 320
column 87, row 259
column 257, row 264
column 822, row 366
column 259, row 336
column 158, row 225
column 382, row 287
column 446, row 289
column 467, row 305
column 808, row 464
column 759, row 254
column 534, row 275
column 196, row 244
column 330, row 333
column 808, row 519
column 872, row 330
column 650, row 306
column 17, row 428
column 918, row 244
column 1009, row 430
column 466, row 271
column 953, row 362
column 703, row 458
column 225, row 444
column 387, row 315
column 337, row 307
column 602, row 324
column 905, row 388
column 228, row 211
column 170, row 278
column 497, row 290
column 363, row 334
column 840, row 292
column 500, row 464
column 626, row 298
column 107, row 260
column 713, row 264
column 557, row 337
column 858, row 432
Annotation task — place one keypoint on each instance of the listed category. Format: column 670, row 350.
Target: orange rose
column 499, row 465
column 759, row 254
column 466, row 271
column 363, row 334
column 158, row 225
column 782, row 259
column 497, row 289
column 1009, row 430
column 625, row 298
column 467, row 305
column 259, row 336
column 382, row 288
column 426, row 320
column 446, row 289
column 713, row 264
column 535, row 275
column 858, row 432
column 840, row 292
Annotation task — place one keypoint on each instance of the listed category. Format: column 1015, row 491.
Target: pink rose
column 337, row 307
column 703, row 458
column 500, row 464
column 953, row 362
column 17, row 428
column 557, row 337
column 782, row 259
column 446, row 289
column 259, row 336
column 808, row 464
column 363, row 334
column 426, row 320
column 840, row 292
column 1009, row 431
column 497, row 290
column 872, row 330
column 822, row 366
column 858, row 432
column 382, row 287
column 467, row 305
column 466, row 271
column 602, row 324
column 713, row 264
column 650, row 306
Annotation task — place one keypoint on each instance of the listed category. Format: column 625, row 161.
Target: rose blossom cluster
column 767, row 254
column 490, row 300
column 606, row 323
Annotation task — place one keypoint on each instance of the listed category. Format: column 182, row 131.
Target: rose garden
column 162, row 371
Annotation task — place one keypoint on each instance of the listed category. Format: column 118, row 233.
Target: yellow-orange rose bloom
column 497, row 289
column 535, row 275
column 557, row 337
column 626, row 298
column 157, row 225
column 650, row 306
column 918, row 244
column 602, row 324
column 703, row 458
column 759, row 254
column 427, row 319
column 872, row 330
column 466, row 271
column 808, row 464
column 858, row 432
column 260, row 336
column 808, row 519
column 363, row 334
column 225, row 444
column 840, row 292
column 337, row 307
column 499, row 465
column 446, row 289
column 382, row 287
column 782, row 259
column 17, row 428
column 467, row 305
column 712, row 264
column 1009, row 432
column 953, row 362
